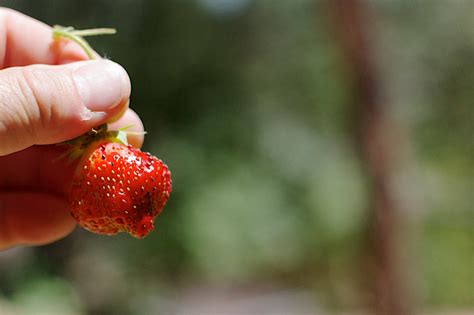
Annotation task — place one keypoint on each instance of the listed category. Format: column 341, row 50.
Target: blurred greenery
column 248, row 102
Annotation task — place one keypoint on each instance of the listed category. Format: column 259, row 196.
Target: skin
column 34, row 183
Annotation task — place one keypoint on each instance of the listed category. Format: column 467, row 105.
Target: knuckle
column 37, row 103
column 13, row 101
column 47, row 95
column 34, row 111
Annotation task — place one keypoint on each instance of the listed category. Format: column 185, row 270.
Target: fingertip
column 102, row 84
column 123, row 108
column 30, row 42
column 130, row 119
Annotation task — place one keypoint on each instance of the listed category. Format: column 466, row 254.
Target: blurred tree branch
column 378, row 147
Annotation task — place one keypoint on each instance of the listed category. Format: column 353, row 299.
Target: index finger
column 25, row 41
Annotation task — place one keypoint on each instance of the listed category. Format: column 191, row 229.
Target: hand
column 48, row 94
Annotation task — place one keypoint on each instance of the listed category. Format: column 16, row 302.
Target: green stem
column 94, row 32
column 76, row 36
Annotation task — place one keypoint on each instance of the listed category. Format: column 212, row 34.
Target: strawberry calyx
column 79, row 145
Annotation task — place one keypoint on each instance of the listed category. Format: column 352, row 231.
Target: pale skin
column 42, row 103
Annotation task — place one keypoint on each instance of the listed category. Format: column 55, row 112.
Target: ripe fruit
column 116, row 188
column 119, row 188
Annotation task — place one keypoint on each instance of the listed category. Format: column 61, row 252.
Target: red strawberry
column 119, row 188
column 116, row 187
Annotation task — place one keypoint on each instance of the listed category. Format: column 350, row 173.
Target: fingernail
column 102, row 84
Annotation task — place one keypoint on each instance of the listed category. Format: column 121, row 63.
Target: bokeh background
column 249, row 103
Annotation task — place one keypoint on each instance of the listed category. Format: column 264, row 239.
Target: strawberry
column 116, row 188
column 119, row 188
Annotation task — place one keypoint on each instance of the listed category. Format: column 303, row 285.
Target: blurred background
column 252, row 105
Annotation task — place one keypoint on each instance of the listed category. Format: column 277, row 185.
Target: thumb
column 42, row 104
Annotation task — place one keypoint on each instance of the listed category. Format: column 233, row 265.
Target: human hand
column 48, row 94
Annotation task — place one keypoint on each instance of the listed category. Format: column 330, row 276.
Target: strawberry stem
column 94, row 32
column 77, row 36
